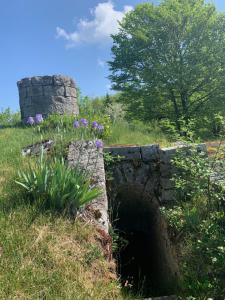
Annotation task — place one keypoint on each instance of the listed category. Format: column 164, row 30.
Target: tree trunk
column 176, row 110
column 185, row 106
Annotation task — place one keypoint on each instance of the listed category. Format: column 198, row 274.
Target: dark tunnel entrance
column 145, row 259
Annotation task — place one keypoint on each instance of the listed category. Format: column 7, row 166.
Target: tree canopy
column 169, row 59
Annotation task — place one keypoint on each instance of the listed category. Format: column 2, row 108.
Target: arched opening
column 146, row 263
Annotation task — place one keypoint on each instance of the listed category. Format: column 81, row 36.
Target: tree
column 171, row 56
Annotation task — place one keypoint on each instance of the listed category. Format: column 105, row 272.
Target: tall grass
column 52, row 258
column 48, row 257
column 43, row 256
column 137, row 133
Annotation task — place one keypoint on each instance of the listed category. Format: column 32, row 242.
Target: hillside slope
column 44, row 256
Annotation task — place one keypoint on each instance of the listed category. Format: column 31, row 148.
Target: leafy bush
column 52, row 185
column 197, row 224
column 199, row 235
column 55, row 121
column 193, row 173
column 8, row 118
column 186, row 132
column 116, row 111
column 218, row 124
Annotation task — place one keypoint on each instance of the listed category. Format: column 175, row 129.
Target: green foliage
column 64, row 124
column 57, row 122
column 118, row 241
column 218, row 124
column 94, row 252
column 8, row 118
column 91, row 106
column 52, row 185
column 194, row 172
column 116, row 112
column 168, row 60
column 109, row 161
column 187, row 131
column 169, row 128
column 200, row 237
column 197, row 223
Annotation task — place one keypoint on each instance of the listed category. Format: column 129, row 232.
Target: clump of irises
column 38, row 119
column 96, row 128
column 84, row 123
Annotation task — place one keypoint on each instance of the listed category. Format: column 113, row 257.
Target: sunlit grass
column 44, row 257
column 52, row 258
column 41, row 256
column 124, row 133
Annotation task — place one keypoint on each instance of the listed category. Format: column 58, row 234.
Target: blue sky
column 70, row 37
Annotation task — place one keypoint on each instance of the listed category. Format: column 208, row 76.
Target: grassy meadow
column 44, row 255
column 49, row 257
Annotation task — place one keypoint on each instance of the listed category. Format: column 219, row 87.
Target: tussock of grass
column 52, row 258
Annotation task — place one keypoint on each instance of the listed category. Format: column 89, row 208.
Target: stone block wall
column 47, row 95
column 85, row 155
column 137, row 167
column 148, row 167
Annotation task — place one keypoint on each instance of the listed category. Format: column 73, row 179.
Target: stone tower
column 47, row 95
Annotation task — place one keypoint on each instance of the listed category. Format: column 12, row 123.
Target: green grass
column 124, row 133
column 49, row 257
column 44, row 256
column 52, row 258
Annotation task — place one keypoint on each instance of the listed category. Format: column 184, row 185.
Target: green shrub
column 8, row 118
column 197, row 224
column 52, row 185
column 199, row 235
column 193, row 173
column 56, row 121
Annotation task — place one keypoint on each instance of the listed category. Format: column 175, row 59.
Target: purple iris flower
column 84, row 122
column 94, row 125
column 39, row 118
column 30, row 121
column 76, row 124
column 100, row 127
column 99, row 144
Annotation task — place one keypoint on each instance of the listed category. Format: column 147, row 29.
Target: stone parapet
column 85, row 155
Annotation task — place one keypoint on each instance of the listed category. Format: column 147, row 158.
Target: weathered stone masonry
column 148, row 167
column 85, row 155
column 138, row 185
column 135, row 192
column 47, row 95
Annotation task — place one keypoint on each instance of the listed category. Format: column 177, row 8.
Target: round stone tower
column 47, row 95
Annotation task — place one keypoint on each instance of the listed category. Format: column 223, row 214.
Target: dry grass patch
column 52, row 258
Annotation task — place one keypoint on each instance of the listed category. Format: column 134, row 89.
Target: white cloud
column 101, row 63
column 104, row 22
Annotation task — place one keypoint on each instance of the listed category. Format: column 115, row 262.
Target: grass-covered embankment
column 44, row 256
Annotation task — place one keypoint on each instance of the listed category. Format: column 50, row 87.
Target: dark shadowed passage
column 146, row 261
